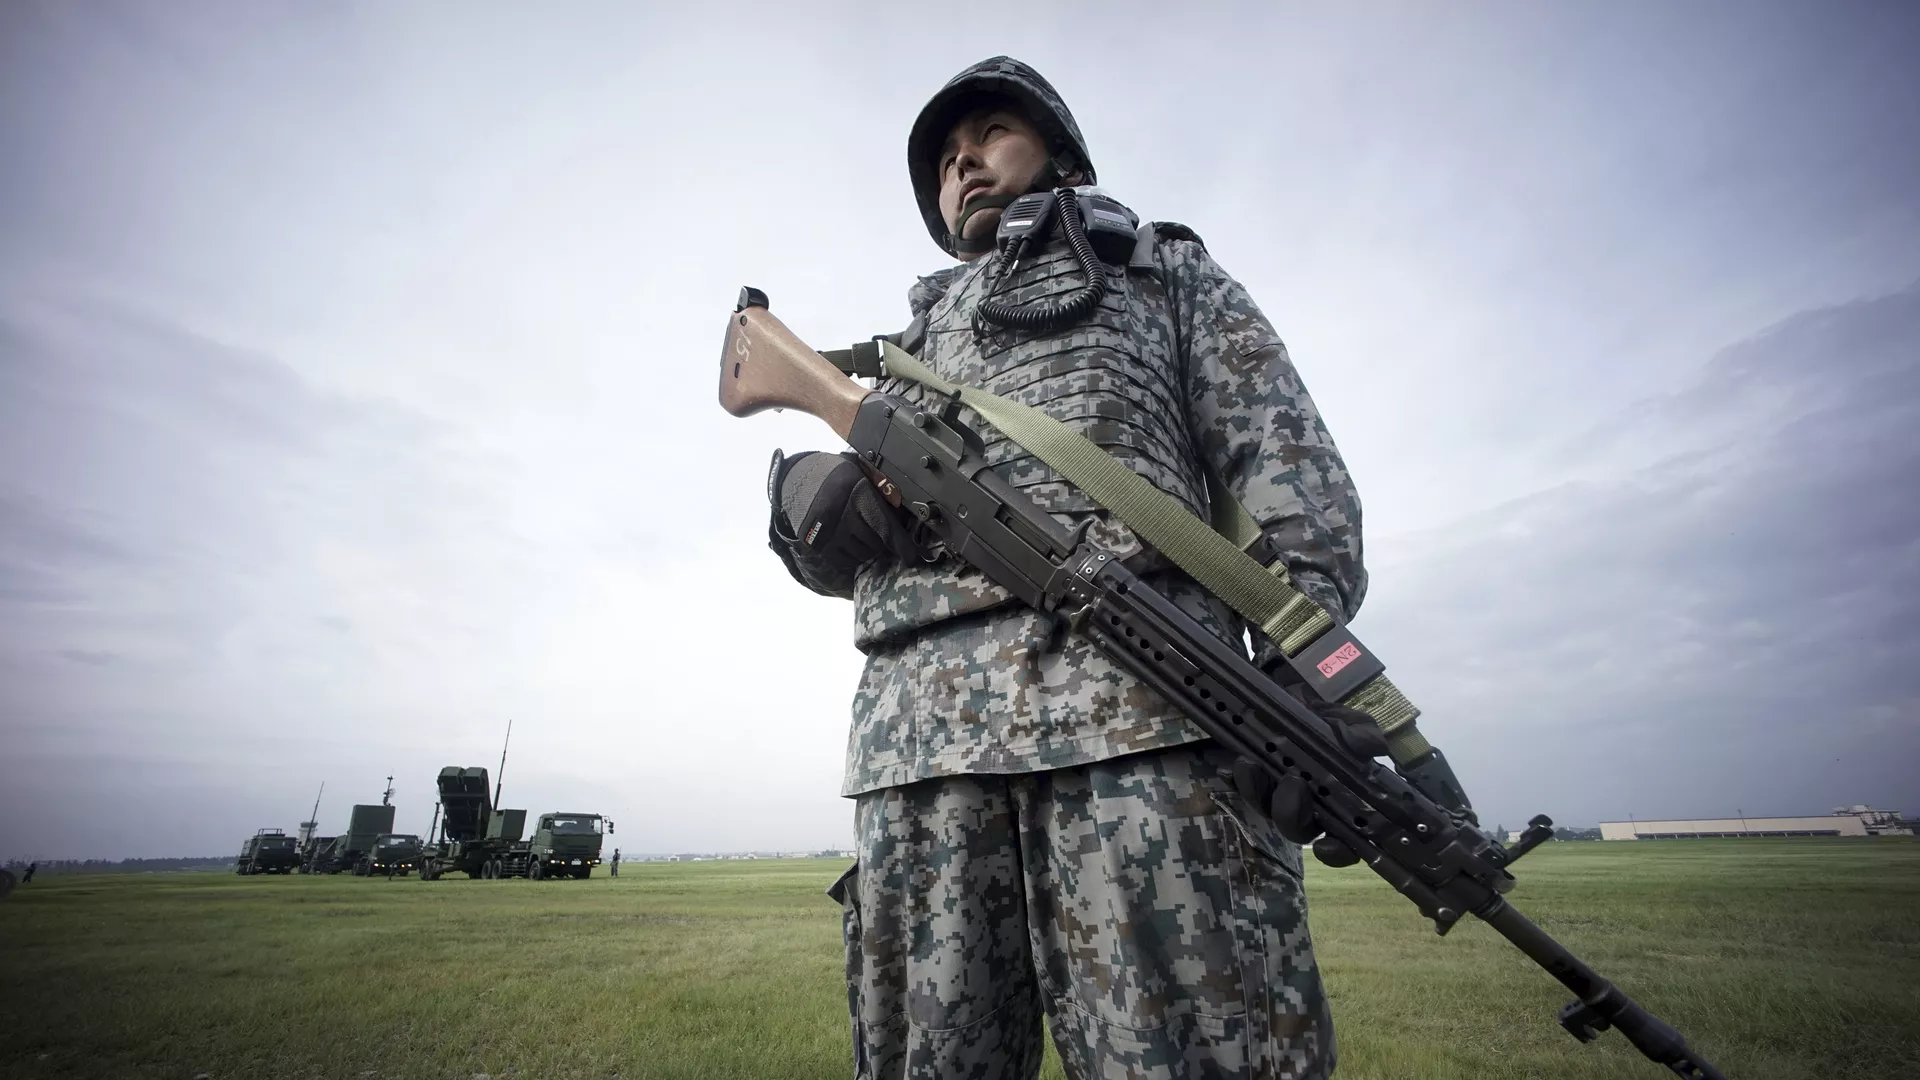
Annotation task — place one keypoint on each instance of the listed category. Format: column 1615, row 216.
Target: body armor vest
column 1115, row 377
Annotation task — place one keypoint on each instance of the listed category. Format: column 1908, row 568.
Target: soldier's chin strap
column 1319, row 649
column 957, row 239
column 1047, row 180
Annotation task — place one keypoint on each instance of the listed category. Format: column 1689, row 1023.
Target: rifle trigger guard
column 1063, row 623
column 927, row 543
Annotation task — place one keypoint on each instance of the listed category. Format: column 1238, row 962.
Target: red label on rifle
column 1341, row 657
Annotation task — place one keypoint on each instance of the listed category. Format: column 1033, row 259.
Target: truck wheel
column 535, row 871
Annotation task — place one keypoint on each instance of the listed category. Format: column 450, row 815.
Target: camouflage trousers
column 1159, row 927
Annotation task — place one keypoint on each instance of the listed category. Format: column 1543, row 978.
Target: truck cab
column 565, row 845
column 394, row 853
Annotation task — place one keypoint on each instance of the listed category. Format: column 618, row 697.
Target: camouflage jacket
column 1177, row 374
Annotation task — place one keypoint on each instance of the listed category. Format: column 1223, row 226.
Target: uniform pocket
column 842, row 891
column 1289, row 1027
column 1259, row 838
column 1189, row 1044
column 845, row 891
column 1253, row 342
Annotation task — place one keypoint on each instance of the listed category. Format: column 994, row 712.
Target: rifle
column 936, row 467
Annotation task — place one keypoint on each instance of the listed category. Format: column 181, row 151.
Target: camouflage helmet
column 1001, row 76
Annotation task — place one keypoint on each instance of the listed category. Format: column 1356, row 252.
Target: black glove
column 1285, row 800
column 828, row 520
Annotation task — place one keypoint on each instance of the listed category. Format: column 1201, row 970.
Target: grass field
column 1781, row 958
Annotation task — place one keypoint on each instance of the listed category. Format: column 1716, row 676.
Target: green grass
column 1781, row 958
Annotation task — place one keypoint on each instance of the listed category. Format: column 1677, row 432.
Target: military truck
column 333, row 854
column 565, row 845
column 392, row 854
column 267, row 851
column 482, row 842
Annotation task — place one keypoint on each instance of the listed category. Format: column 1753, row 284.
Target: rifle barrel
column 1600, row 1003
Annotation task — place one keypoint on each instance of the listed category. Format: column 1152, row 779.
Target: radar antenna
column 500, row 776
column 312, row 824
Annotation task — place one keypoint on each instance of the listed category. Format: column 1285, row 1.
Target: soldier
column 1037, row 832
column 613, row 868
column 28, row 878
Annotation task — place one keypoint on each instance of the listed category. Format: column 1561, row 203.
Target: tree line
column 118, row 866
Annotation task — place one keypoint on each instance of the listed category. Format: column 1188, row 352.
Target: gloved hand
column 1285, row 799
column 828, row 520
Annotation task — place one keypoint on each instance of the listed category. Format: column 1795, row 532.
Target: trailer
column 475, row 839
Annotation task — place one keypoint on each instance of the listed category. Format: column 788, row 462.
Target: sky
column 357, row 387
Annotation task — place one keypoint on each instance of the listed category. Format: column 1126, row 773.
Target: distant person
column 613, row 868
column 31, row 867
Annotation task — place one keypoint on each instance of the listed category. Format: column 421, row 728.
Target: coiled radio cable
column 1053, row 312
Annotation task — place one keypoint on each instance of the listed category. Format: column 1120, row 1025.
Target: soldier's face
column 992, row 150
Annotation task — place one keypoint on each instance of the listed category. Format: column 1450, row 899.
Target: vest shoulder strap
column 1152, row 232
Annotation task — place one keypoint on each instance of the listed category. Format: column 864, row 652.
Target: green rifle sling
column 1213, row 556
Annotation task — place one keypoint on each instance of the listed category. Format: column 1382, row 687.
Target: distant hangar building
column 1844, row 821
column 1745, row 826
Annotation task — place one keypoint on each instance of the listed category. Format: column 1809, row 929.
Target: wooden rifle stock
column 764, row 365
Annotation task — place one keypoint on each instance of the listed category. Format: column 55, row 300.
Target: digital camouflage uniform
column 1037, row 831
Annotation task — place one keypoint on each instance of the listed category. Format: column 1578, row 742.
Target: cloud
column 156, row 478
column 1745, row 598
column 356, row 380
column 189, row 533
column 91, row 657
column 227, row 582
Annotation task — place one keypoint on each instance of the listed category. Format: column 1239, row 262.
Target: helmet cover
column 1000, row 76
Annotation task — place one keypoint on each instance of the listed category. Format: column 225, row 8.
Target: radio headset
column 1096, row 227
